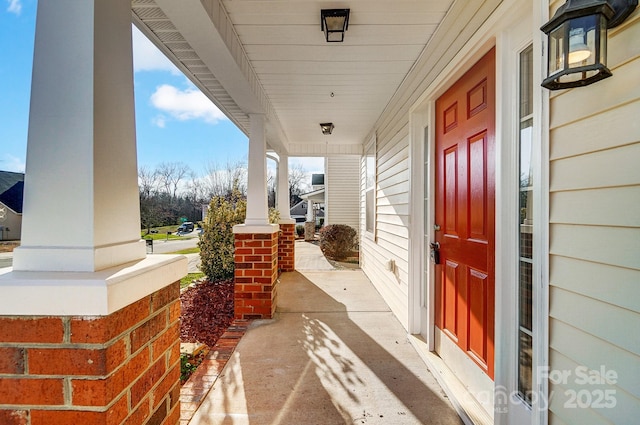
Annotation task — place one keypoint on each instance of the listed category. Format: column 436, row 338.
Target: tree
column 152, row 212
column 217, row 242
column 297, row 183
column 271, row 188
column 170, row 174
column 222, row 180
column 147, row 182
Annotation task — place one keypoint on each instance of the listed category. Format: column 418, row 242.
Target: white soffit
column 280, row 50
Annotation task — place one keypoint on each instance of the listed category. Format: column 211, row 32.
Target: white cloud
column 160, row 121
column 183, row 105
column 15, row 6
column 9, row 162
column 147, row 57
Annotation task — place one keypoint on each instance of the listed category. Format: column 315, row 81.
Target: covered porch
column 95, row 332
column 334, row 353
column 453, row 140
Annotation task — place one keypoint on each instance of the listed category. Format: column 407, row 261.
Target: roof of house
column 300, row 209
column 12, row 190
column 314, row 196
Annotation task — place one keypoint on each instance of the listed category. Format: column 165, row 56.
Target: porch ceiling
column 265, row 56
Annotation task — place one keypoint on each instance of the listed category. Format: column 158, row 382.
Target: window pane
column 370, row 210
column 526, row 279
column 525, row 372
column 370, row 184
column 526, row 227
column 556, row 50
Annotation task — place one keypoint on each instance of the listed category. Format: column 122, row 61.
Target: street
column 159, row 247
column 164, row 246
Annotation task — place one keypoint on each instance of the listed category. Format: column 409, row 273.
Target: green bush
column 300, row 230
column 337, row 241
column 274, row 216
column 217, row 241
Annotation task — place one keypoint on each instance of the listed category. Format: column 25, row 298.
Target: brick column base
column 256, row 273
column 286, row 247
column 98, row 370
column 309, row 230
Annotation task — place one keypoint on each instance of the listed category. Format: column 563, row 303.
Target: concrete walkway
column 309, row 257
column 335, row 354
column 6, row 259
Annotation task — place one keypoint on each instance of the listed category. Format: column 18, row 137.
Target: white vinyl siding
column 595, row 234
column 13, row 222
column 342, row 188
column 391, row 227
column 391, row 242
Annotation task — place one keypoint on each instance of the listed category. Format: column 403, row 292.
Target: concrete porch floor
column 334, row 354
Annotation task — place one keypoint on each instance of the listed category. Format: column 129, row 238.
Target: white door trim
column 501, row 30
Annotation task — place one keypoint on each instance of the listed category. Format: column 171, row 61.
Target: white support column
column 81, row 205
column 309, row 210
column 81, row 252
column 283, row 188
column 257, row 210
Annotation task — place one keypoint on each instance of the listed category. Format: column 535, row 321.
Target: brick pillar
column 256, row 273
column 309, row 230
column 286, row 247
column 123, row 368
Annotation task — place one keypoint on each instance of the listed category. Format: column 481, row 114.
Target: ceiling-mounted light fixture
column 577, row 41
column 334, row 22
column 327, row 128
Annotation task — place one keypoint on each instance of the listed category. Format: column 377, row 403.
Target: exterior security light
column 334, row 22
column 326, row 128
column 577, row 41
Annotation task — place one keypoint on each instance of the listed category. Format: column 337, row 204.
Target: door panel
column 465, row 211
column 451, row 300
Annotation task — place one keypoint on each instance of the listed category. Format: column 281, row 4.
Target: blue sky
column 174, row 120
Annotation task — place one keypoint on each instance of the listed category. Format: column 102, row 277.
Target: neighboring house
column 299, row 212
column 499, row 220
column 316, row 198
column 11, row 194
column 336, row 192
column 342, row 199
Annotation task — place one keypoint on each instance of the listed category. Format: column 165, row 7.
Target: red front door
column 465, row 212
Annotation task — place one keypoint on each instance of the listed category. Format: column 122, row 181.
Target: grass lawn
column 194, row 250
column 188, row 279
column 160, row 233
column 159, row 236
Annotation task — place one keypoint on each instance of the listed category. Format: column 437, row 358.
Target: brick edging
column 194, row 391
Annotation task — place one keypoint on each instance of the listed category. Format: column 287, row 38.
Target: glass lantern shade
column 577, row 52
column 334, row 23
column 577, row 44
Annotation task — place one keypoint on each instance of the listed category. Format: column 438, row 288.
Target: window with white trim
column 370, row 186
column 526, row 228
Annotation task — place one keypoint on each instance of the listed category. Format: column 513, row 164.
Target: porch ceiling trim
column 270, row 58
column 212, row 59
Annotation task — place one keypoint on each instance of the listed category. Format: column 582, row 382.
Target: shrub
column 337, row 241
column 274, row 216
column 300, row 230
column 217, row 242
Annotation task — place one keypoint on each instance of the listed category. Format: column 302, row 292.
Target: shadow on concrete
column 334, row 354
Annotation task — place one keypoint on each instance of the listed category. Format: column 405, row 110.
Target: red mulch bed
column 207, row 311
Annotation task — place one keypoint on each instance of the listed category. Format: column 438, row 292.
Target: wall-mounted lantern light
column 334, row 22
column 577, row 41
column 326, row 128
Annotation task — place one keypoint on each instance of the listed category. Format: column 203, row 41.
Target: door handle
column 435, row 252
